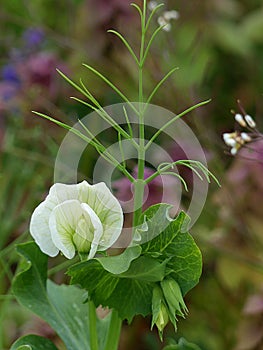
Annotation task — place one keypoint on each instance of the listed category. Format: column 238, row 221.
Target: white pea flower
column 81, row 217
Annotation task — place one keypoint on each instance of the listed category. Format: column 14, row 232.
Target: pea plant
column 152, row 273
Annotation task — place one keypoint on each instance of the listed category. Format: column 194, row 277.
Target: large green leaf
column 173, row 243
column 33, row 342
column 61, row 306
column 130, row 292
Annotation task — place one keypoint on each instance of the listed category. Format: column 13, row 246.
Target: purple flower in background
column 105, row 10
column 10, row 74
column 9, row 86
column 33, row 37
column 7, row 92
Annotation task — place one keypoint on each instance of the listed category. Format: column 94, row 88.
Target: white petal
column 63, row 192
column 108, row 209
column 97, row 227
column 62, row 223
column 230, row 142
column 167, row 27
column 233, row 151
column 227, row 136
column 39, row 227
column 152, row 5
column 168, row 15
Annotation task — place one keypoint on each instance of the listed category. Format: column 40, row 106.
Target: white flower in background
column 167, row 16
column 81, row 217
column 250, row 121
column 152, row 5
column 238, row 138
column 165, row 24
column 240, row 120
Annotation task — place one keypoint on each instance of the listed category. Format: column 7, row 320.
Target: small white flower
column 227, row 136
column 168, row 15
column 152, row 5
column 162, row 22
column 240, row 120
column 233, row 151
column 250, row 121
column 165, row 19
column 80, row 217
column 230, row 142
column 245, row 137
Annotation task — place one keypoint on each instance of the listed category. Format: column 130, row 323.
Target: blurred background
column 218, row 46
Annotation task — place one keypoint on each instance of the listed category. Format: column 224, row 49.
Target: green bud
column 173, row 297
column 160, row 316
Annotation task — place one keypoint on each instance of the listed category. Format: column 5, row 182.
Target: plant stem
column 114, row 331
column 92, row 326
column 139, row 184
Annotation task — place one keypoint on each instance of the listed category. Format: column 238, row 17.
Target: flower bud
column 250, row 121
column 160, row 316
column 233, row 151
column 245, row 137
column 230, row 142
column 173, row 297
column 229, row 135
column 240, row 120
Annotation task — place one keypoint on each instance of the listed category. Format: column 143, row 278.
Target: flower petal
column 108, row 209
column 97, row 228
column 63, row 192
column 39, row 228
column 63, row 222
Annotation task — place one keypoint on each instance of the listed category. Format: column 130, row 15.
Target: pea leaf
column 120, row 263
column 33, row 342
column 130, row 292
column 60, row 306
column 173, row 243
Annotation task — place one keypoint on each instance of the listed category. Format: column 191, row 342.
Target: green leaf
column 173, row 243
column 120, row 263
column 153, row 222
column 129, row 293
column 33, row 342
column 60, row 306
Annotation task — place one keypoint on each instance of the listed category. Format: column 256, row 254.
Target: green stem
column 113, row 335
column 139, row 184
column 92, row 326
